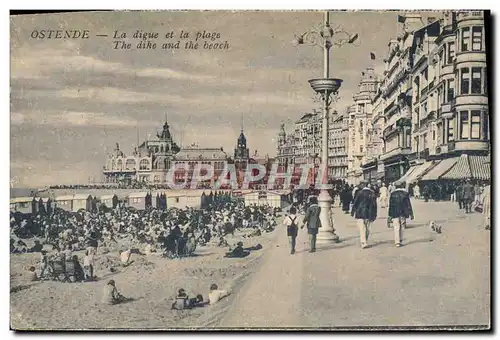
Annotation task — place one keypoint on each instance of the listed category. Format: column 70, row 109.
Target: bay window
column 475, row 122
column 464, row 125
column 450, row 122
column 451, row 52
column 464, row 80
column 477, row 38
column 450, row 90
column 465, row 39
column 476, row 80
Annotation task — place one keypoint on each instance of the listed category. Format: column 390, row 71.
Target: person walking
column 290, row 222
column 468, row 196
column 364, row 210
column 383, row 196
column 460, row 195
column 399, row 210
column 312, row 221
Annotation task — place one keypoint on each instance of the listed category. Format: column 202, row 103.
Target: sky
column 73, row 100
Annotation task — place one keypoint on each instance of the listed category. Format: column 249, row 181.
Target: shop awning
column 440, row 169
column 408, row 174
column 418, row 172
column 480, row 167
column 476, row 167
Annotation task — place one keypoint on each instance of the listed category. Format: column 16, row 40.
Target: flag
column 372, row 56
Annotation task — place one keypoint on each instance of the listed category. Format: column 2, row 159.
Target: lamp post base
column 326, row 234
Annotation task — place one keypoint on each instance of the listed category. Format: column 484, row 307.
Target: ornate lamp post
column 325, row 37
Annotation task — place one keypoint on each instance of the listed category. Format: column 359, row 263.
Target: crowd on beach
column 173, row 233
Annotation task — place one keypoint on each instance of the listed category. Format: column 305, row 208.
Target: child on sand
column 216, row 294
column 111, row 296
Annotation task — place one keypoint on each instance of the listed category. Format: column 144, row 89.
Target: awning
column 407, row 174
column 440, row 169
column 480, row 167
column 476, row 167
column 418, row 172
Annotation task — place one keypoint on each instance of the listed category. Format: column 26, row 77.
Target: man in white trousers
column 364, row 210
column 399, row 210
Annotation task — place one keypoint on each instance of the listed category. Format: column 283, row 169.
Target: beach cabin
column 262, row 198
column 176, row 200
column 25, row 205
column 82, row 201
column 64, row 202
column 109, row 201
column 138, row 200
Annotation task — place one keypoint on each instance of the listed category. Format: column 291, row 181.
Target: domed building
column 151, row 161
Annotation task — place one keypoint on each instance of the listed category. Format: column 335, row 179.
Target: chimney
column 412, row 21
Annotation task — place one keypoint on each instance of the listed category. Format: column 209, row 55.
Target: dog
column 435, row 227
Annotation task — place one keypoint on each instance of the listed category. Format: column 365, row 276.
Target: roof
column 259, row 191
column 193, row 153
column 21, row 199
column 64, row 198
column 107, row 197
column 138, row 194
column 81, row 196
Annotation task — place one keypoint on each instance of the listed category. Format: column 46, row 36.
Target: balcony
column 424, row 153
column 465, row 15
column 396, row 152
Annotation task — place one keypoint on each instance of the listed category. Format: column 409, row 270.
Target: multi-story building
column 285, row 153
column 432, row 104
column 450, row 114
column 360, row 115
column 149, row 163
column 337, row 146
column 396, row 92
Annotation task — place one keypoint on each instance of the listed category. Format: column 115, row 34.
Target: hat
column 111, row 282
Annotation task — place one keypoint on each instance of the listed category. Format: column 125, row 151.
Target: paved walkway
column 435, row 279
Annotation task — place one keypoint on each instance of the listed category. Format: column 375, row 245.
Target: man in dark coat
column 468, row 196
column 364, row 210
column 346, row 198
column 399, row 210
column 312, row 221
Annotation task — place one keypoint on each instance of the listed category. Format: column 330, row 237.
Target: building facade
column 432, row 103
column 151, row 162
column 360, row 116
column 337, row 146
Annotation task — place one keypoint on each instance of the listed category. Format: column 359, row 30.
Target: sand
column 151, row 281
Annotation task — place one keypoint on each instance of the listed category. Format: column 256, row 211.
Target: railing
column 424, row 153
column 424, row 91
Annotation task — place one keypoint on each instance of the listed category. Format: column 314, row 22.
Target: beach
column 151, row 281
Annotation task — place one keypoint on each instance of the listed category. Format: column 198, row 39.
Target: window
column 451, row 52
column 465, row 39
column 450, row 123
column 485, row 83
column 464, row 125
column 361, row 148
column 477, row 38
column 475, row 124
column 486, row 119
column 144, row 164
column 476, row 80
column 464, row 81
column 451, row 90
